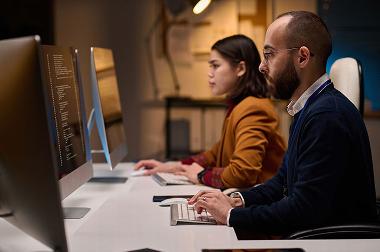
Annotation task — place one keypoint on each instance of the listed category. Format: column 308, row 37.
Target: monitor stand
column 107, row 177
column 75, row 212
column 111, row 180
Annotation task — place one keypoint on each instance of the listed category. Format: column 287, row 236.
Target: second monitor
column 107, row 112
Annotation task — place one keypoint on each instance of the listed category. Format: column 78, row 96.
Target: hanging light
column 200, row 6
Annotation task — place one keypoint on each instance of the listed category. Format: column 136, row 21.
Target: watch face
column 235, row 195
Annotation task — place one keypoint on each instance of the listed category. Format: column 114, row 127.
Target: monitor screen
column 107, row 106
column 29, row 192
column 66, row 115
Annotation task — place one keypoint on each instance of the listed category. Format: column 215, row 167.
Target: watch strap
column 200, row 175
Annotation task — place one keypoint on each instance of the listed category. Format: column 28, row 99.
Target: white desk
column 123, row 217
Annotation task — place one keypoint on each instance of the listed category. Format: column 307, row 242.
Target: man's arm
column 270, row 191
column 322, row 152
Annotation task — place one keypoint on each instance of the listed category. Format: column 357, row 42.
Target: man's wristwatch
column 235, row 195
column 200, row 175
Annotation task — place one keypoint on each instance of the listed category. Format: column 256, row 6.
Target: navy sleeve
column 270, row 191
column 321, row 149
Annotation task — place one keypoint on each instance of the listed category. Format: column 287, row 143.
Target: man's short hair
column 308, row 29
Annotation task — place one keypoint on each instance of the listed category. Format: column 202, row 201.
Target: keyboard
column 184, row 214
column 165, row 179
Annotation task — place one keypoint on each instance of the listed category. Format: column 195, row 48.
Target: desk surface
column 123, row 217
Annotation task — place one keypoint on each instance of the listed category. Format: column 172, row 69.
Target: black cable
column 173, row 72
column 151, row 67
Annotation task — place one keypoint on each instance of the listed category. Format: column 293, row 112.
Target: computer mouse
column 172, row 201
column 139, row 172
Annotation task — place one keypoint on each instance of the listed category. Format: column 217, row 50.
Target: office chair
column 347, row 76
column 365, row 230
column 370, row 230
column 349, row 231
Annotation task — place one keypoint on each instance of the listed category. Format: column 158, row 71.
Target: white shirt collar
column 295, row 106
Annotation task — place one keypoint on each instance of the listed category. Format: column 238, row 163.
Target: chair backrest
column 346, row 74
column 353, row 231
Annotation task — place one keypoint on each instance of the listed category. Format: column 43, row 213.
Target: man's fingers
column 195, row 197
column 211, row 194
column 204, row 193
column 200, row 205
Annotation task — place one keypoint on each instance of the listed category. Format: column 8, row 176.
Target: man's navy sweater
column 326, row 176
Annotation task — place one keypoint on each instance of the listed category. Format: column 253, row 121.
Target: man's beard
column 285, row 84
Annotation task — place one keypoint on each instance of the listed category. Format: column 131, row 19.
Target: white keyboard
column 170, row 179
column 184, row 214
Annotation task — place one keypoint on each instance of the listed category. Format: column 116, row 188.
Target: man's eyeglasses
column 268, row 54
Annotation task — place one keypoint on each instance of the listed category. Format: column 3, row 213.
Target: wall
column 24, row 18
column 123, row 25
column 117, row 25
column 281, row 6
column 356, row 33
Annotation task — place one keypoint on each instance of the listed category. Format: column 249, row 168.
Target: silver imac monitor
column 29, row 191
column 66, row 114
column 107, row 112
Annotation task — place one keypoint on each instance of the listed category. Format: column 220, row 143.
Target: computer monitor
column 66, row 115
column 107, row 112
column 66, row 111
column 29, row 191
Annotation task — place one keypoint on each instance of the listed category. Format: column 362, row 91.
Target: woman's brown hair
column 239, row 48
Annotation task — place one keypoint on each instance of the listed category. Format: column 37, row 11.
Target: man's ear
column 241, row 69
column 303, row 56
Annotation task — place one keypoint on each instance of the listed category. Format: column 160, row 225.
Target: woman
column 250, row 148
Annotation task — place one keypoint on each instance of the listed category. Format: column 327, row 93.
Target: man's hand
column 154, row 166
column 191, row 172
column 215, row 202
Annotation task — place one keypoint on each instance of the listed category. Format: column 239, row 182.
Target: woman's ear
column 241, row 69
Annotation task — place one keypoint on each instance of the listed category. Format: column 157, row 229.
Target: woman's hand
column 153, row 166
column 191, row 172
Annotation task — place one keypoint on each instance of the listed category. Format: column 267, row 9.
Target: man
column 326, row 176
